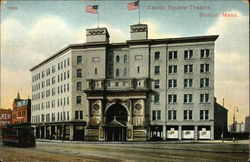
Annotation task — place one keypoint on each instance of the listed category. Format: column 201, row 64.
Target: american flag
column 91, row 9
column 133, row 5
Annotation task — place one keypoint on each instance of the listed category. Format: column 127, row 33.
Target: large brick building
column 136, row 90
column 21, row 112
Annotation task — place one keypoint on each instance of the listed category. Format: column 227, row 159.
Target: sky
column 31, row 31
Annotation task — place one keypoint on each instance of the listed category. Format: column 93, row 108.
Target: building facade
column 247, row 124
column 137, row 90
column 21, row 112
column 5, row 117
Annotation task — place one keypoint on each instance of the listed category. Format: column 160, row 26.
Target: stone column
column 45, row 131
column 40, row 132
column 179, row 132
column 164, row 131
column 212, row 132
column 71, row 133
column 195, row 132
column 144, row 112
column 56, row 132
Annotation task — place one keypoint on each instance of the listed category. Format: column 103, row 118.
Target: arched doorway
column 115, row 127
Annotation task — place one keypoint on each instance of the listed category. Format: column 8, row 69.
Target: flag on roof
column 133, row 5
column 91, row 9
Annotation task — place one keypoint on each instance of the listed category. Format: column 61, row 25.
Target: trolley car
column 21, row 135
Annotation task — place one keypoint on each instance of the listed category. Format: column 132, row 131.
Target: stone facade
column 138, row 90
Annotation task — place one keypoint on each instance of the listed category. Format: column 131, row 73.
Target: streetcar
column 21, row 135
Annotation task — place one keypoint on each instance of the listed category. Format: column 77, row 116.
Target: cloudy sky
column 31, row 31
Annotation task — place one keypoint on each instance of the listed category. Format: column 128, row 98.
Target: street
column 144, row 151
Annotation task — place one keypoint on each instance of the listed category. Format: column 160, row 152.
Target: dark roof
column 114, row 123
column 128, row 43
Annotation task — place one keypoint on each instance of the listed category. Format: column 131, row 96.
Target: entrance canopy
column 114, row 124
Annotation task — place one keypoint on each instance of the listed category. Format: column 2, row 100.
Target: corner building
column 138, row 90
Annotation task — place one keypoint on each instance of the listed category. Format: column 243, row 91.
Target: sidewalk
column 150, row 142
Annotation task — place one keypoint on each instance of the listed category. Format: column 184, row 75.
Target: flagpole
column 98, row 9
column 139, row 12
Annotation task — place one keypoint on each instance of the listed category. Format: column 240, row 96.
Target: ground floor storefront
column 60, row 131
column 181, row 132
column 115, row 131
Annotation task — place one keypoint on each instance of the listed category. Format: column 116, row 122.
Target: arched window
column 125, row 59
column 125, row 72
column 117, row 72
column 117, row 58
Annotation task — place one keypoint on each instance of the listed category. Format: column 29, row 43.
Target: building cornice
column 127, row 44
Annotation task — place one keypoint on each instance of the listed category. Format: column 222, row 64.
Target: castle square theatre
column 138, row 90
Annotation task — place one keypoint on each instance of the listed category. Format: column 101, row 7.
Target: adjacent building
column 21, row 112
column 247, row 124
column 136, row 90
column 5, row 117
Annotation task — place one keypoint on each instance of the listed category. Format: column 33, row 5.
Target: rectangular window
column 172, row 55
column 78, row 99
column 138, row 69
column 156, row 98
column 81, row 115
column 172, row 69
column 204, row 82
column 188, row 68
column 204, row 114
column 96, row 71
column 79, row 59
column 188, row 98
column 158, row 114
column 205, row 53
column 188, row 114
column 79, row 72
column 79, row 86
column 172, row 114
column 153, row 115
column 157, row 83
column 157, row 69
column 157, row 55
column 188, row 83
column 204, row 98
column 172, row 98
column 204, row 68
column 68, row 61
column 188, row 54
column 76, row 115
column 172, row 83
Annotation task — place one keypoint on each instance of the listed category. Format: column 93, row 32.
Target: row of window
column 172, row 69
column 61, row 77
column 187, row 115
column 188, row 98
column 60, row 89
column 188, row 54
column 59, row 116
column 51, row 104
column 61, row 65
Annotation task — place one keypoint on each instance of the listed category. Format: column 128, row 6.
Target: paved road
column 148, row 152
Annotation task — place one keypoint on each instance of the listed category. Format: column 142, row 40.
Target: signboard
column 188, row 134
column 172, row 134
column 204, row 134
